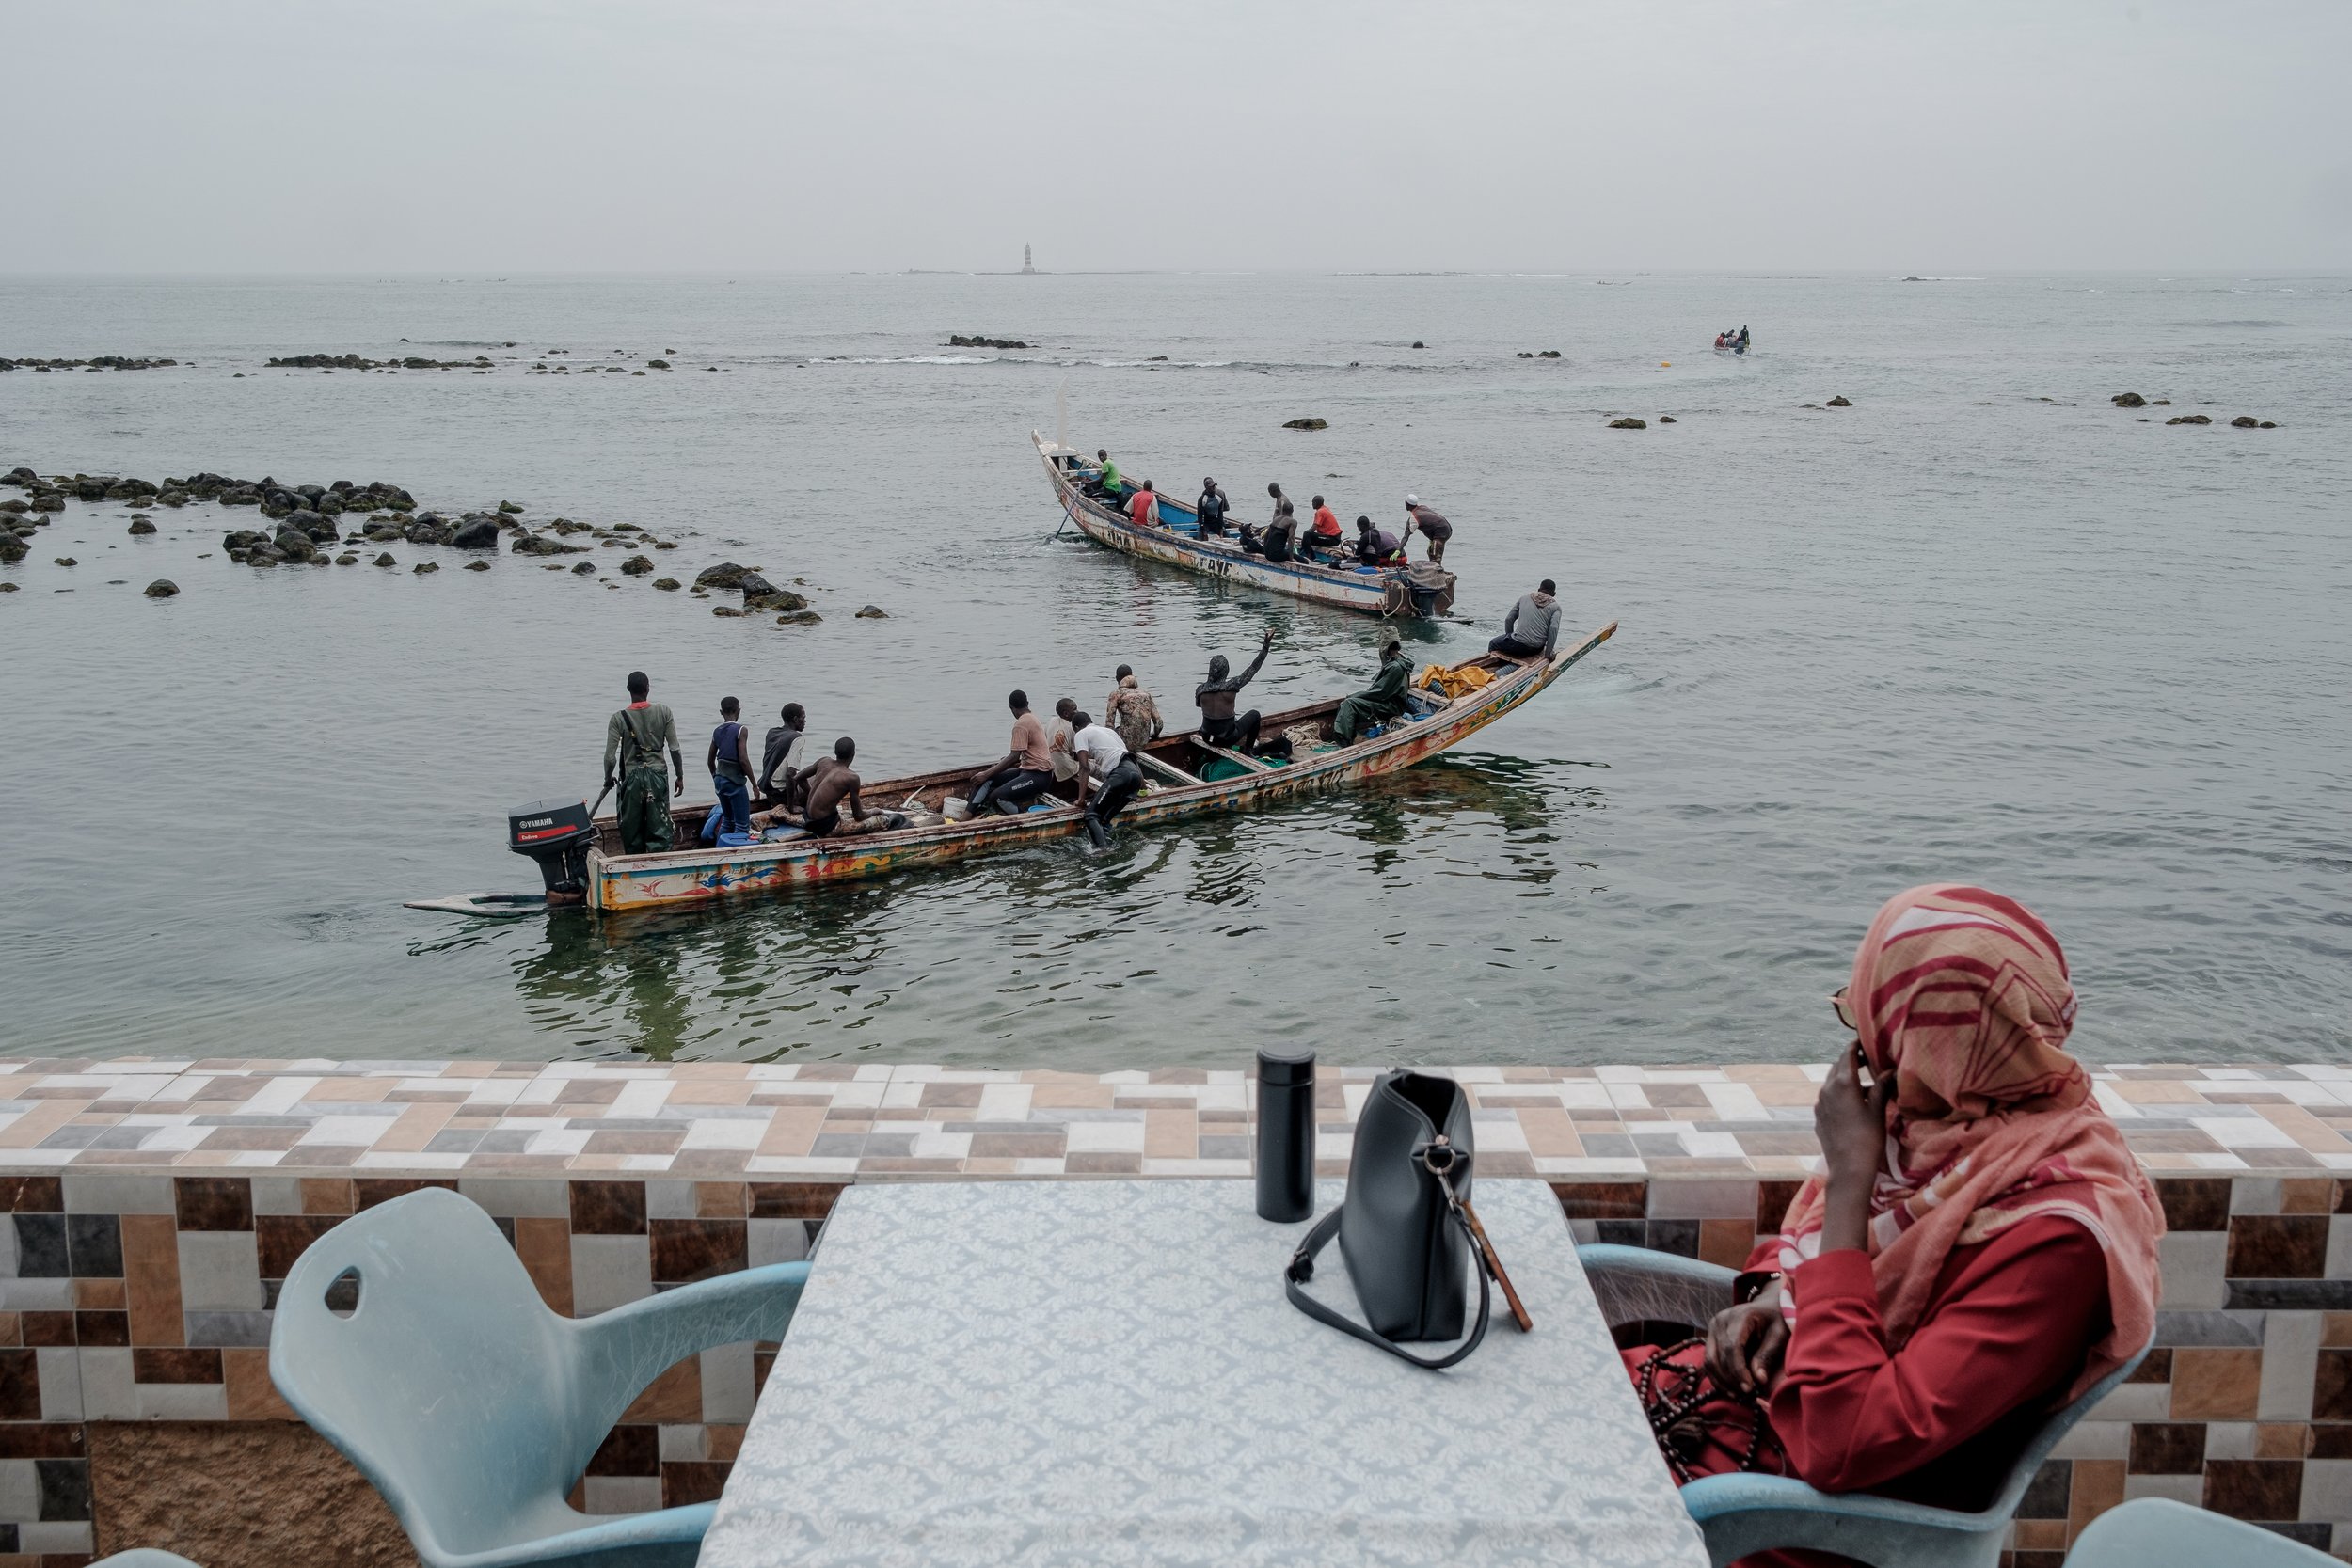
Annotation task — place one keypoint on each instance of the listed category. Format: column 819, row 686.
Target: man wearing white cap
column 1432, row 524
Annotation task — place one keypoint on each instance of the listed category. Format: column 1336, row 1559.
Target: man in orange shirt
column 1326, row 534
column 1144, row 511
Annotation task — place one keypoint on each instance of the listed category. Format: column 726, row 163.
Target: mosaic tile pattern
column 148, row 1211
column 841, row 1121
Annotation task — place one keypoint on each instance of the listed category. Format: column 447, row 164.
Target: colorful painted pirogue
column 1174, row 787
column 1381, row 590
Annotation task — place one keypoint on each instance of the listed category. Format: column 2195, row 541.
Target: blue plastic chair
column 1744, row 1514
column 2157, row 1532
column 471, row 1406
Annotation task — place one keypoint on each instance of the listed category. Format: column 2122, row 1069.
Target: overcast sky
column 423, row 136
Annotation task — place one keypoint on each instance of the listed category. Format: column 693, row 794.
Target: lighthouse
column 1027, row 264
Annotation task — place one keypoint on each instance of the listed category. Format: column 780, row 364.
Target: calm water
column 1980, row 624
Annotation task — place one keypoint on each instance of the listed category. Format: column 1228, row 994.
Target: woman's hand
column 1744, row 1344
column 1850, row 1122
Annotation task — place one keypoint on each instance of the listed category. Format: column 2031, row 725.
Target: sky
column 591, row 136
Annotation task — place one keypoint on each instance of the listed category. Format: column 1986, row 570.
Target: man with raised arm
column 1218, row 725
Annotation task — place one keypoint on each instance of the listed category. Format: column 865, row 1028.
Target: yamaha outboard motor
column 557, row 834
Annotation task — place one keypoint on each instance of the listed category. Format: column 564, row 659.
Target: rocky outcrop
column 1665, row 418
column 781, row 598
column 1839, row 402
column 162, row 587
column 539, row 544
column 1629, row 423
column 353, row 362
column 873, row 613
column 385, row 560
column 585, row 569
column 2190, row 418
column 477, row 565
column 724, row 574
column 424, row 567
column 956, row 340
column 637, row 566
column 1307, row 424
column 140, row 526
column 752, row 585
column 104, row 362
column 668, row 585
column 799, row 618
column 2128, row 399
column 476, row 533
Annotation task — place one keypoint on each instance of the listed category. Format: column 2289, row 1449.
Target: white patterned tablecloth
column 1078, row 1375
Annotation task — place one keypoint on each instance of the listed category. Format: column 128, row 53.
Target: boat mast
column 1061, row 414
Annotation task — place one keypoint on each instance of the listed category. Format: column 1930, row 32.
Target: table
column 1075, row 1374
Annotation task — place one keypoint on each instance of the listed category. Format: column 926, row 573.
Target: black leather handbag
column 1403, row 1229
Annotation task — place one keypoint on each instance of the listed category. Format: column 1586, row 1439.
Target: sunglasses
column 1844, row 1010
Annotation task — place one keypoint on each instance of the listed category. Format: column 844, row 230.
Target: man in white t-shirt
column 1107, row 776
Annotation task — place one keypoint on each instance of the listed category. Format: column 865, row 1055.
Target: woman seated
column 1980, row 1248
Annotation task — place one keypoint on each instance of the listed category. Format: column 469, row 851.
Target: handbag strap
column 1302, row 1268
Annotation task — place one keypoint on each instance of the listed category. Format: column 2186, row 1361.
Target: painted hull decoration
column 1387, row 592
column 1173, row 789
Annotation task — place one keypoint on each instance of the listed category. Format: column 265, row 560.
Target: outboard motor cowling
column 557, row 834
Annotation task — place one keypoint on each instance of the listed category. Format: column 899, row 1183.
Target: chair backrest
column 2060, row 1422
column 2157, row 1532
column 451, row 1385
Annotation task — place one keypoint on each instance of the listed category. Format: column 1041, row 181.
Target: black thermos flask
column 1286, row 1135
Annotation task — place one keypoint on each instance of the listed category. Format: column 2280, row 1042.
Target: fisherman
column 1211, row 508
column 1106, row 482
column 1326, row 534
column 1219, row 726
column 1132, row 712
column 1279, row 541
column 1059, row 736
column 1532, row 627
column 1376, row 547
column 780, row 757
column 1432, row 524
column 1144, row 510
column 729, row 761
column 1021, row 775
column 830, row 783
column 1384, row 699
column 1108, row 777
column 1721, row 340
column 1743, row 335
column 635, row 737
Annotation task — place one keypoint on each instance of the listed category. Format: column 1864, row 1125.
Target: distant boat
column 1028, row 267
column 1393, row 591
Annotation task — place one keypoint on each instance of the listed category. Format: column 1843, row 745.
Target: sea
column 1980, row 624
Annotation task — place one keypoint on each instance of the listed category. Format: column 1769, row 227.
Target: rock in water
column 873, row 613
column 1665, row 418
column 2128, row 399
column 778, row 599
column 2190, row 418
column 2244, row 422
column 1306, row 424
column 727, row 609
column 538, row 543
column 636, row 566
column 585, row 569
column 668, row 585
column 140, row 525
column 1629, row 423
column 162, row 587
column 1839, row 402
column 752, row 585
column 65, row 561
column 477, row 565
column 346, row 559
column 385, row 560
column 478, row 533
column 13, row 548
column 799, row 618
column 424, row 567
column 724, row 574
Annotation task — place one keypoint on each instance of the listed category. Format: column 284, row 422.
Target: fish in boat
column 1184, row 776
column 1420, row 592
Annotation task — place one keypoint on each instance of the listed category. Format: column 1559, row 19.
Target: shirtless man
column 1216, row 695
column 830, row 783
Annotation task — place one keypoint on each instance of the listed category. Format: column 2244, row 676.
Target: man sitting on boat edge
column 1219, row 726
column 1532, row 627
column 1382, row 701
column 831, row 783
column 1021, row 775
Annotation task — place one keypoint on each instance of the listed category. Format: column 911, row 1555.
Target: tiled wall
column 151, row 1209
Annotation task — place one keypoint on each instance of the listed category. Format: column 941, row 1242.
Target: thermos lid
column 1285, row 1069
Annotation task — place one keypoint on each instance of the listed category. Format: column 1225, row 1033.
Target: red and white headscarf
column 1964, row 995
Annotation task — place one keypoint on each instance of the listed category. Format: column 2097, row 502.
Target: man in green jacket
column 1383, row 700
column 634, row 739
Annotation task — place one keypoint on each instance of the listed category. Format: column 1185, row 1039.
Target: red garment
column 1326, row 522
column 1939, row 1421
column 1139, row 509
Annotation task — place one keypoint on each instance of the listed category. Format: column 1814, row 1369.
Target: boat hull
column 622, row 883
column 1347, row 588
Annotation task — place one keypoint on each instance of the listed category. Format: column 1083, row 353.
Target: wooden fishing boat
column 1379, row 590
column 1174, row 787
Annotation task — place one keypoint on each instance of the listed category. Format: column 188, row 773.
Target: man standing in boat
column 1211, row 508
column 1431, row 522
column 1219, row 726
column 634, row 738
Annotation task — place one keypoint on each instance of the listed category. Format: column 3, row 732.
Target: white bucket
column 955, row 808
